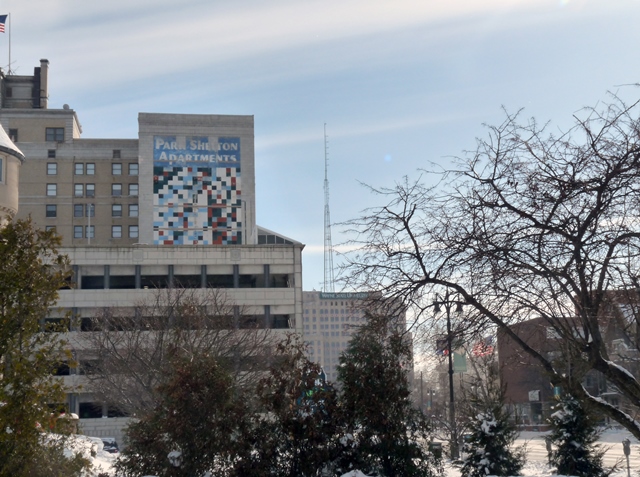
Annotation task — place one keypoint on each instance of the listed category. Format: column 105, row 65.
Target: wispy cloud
column 125, row 40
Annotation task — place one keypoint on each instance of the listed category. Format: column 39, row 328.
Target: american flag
column 484, row 347
column 3, row 20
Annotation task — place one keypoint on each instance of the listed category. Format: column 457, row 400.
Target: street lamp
column 447, row 302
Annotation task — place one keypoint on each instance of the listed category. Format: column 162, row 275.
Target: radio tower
column 328, row 247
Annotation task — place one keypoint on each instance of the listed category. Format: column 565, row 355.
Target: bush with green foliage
column 197, row 420
column 382, row 433
column 293, row 435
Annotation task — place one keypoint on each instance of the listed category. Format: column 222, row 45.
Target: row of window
column 88, row 231
column 89, row 168
column 89, row 210
column 89, row 190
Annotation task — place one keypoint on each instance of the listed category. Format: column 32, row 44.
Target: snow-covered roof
column 7, row 145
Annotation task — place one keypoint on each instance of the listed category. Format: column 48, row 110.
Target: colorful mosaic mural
column 196, row 192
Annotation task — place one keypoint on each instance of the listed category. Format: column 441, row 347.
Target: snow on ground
column 91, row 448
column 536, row 466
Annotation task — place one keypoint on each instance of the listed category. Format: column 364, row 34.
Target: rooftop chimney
column 44, row 83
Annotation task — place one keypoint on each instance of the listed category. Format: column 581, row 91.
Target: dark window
column 122, row 282
column 90, row 410
column 88, row 366
column 91, row 210
column 279, row 321
column 92, row 282
column 279, row 280
column 116, row 153
column 78, row 210
column 116, row 189
column 252, row 281
column 52, row 210
column 9, row 92
column 62, row 369
column 54, row 134
column 154, row 281
column 220, row 281
column 51, row 153
column 13, row 135
column 187, row 281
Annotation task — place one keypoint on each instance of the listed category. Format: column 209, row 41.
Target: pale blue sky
column 398, row 82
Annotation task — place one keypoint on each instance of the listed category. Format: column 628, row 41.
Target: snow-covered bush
column 488, row 449
column 574, row 434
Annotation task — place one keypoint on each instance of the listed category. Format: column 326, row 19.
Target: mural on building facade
column 196, row 190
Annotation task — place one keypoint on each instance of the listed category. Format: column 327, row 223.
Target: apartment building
column 173, row 207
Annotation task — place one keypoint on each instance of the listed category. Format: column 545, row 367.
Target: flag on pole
column 483, row 347
column 3, row 20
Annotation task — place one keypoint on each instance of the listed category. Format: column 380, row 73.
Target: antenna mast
column 328, row 247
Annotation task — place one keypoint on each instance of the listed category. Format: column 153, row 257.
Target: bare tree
column 130, row 350
column 529, row 225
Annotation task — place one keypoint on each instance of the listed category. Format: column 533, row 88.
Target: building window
column 116, row 169
column 78, row 168
column 89, row 231
column 77, row 231
column 116, row 189
column 91, row 190
column 91, row 169
column 52, row 168
column 116, row 231
column 51, row 153
column 116, row 153
column 133, row 189
column 116, row 210
column 52, row 210
column 133, row 169
column 91, row 210
column 78, row 210
column 52, row 189
column 49, row 228
column 78, row 190
column 133, row 231
column 133, row 210
column 54, row 134
column 13, row 135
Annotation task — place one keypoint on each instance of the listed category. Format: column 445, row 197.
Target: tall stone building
column 173, row 207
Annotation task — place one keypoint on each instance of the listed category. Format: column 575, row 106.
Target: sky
column 399, row 84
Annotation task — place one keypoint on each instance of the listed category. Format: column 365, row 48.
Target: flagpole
column 9, row 68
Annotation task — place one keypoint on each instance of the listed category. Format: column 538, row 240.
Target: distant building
column 529, row 390
column 329, row 320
